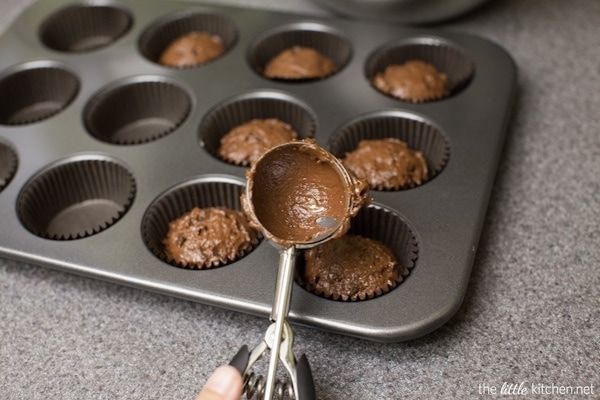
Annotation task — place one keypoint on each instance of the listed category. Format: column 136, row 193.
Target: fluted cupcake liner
column 84, row 27
column 36, row 91
column 445, row 56
column 76, row 198
column 326, row 40
column 255, row 105
column 138, row 111
column 8, row 164
column 164, row 31
column 385, row 225
column 418, row 133
column 202, row 192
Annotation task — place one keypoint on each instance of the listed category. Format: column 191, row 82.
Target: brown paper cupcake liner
column 419, row 133
column 137, row 111
column 36, row 91
column 248, row 106
column 445, row 56
column 8, row 164
column 202, row 192
column 326, row 40
column 76, row 198
column 80, row 28
column 387, row 226
column 163, row 32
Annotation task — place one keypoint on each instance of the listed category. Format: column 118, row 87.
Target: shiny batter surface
column 299, row 195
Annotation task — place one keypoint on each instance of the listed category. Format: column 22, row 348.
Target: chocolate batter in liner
column 442, row 54
column 299, row 62
column 419, row 133
column 165, row 31
column 191, row 49
column 246, row 107
column 324, row 39
column 379, row 223
column 203, row 193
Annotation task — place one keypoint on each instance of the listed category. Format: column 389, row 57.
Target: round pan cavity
column 163, row 32
column 326, row 40
column 445, row 56
column 202, row 192
column 419, row 133
column 80, row 28
column 8, row 164
column 385, row 225
column 76, row 198
column 137, row 111
column 255, row 105
column 35, row 91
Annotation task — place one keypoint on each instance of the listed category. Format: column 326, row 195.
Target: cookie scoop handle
column 280, row 310
column 305, row 386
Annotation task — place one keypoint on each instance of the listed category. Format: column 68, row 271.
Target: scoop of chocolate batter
column 298, row 193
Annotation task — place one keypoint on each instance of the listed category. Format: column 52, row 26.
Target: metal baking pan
column 94, row 133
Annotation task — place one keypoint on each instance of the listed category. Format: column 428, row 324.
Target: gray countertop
column 531, row 312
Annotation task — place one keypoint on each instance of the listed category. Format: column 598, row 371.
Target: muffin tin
column 100, row 146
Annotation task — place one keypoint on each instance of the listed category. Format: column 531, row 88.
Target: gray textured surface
column 532, row 309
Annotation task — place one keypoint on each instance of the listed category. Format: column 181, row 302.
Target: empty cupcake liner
column 35, row 91
column 445, row 56
column 248, row 106
column 164, row 31
column 419, row 133
column 84, row 27
column 8, row 164
column 327, row 40
column 385, row 225
column 76, row 198
column 202, row 192
column 137, row 111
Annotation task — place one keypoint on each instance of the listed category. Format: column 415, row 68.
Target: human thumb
column 224, row 384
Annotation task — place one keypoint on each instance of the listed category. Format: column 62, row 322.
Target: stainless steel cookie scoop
column 298, row 195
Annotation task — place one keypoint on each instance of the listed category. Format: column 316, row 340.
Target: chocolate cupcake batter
column 299, row 62
column 206, row 237
column 245, row 143
column 299, row 194
column 415, row 81
column 192, row 49
column 350, row 268
column 387, row 164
